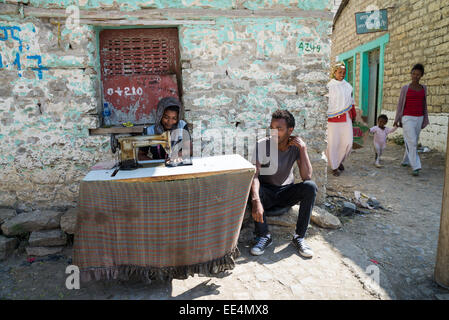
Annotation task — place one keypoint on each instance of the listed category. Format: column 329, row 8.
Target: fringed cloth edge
column 147, row 274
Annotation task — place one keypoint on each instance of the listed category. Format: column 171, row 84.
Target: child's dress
column 380, row 139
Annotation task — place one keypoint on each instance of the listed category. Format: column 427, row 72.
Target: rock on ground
column 31, row 221
column 324, row 219
column 6, row 214
column 320, row 217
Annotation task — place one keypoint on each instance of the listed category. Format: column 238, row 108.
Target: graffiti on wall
column 18, row 58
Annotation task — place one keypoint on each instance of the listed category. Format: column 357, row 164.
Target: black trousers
column 271, row 196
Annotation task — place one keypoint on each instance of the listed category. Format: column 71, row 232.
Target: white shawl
column 340, row 98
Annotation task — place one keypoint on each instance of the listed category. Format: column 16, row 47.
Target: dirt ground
column 403, row 238
column 400, row 240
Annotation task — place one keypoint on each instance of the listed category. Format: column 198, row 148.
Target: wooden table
column 162, row 222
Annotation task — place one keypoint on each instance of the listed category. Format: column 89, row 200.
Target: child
column 380, row 136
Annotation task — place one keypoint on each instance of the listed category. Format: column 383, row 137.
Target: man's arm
column 304, row 165
column 256, row 204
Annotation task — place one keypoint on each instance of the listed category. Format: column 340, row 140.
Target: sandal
column 335, row 172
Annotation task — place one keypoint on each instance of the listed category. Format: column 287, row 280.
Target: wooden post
column 442, row 261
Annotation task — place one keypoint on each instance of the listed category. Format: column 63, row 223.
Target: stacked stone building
column 233, row 62
column 379, row 62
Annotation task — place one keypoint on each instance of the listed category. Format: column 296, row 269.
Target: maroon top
column 414, row 103
column 401, row 104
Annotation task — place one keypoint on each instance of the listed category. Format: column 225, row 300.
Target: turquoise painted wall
column 131, row 5
column 235, row 72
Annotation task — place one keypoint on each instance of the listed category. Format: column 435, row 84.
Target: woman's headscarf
column 335, row 67
column 340, row 94
column 163, row 104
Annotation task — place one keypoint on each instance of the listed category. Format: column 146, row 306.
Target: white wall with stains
column 255, row 57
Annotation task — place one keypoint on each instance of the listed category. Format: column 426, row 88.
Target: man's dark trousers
column 287, row 196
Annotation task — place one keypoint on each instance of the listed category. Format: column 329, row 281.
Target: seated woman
column 168, row 113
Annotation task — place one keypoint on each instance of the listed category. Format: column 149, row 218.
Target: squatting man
column 277, row 189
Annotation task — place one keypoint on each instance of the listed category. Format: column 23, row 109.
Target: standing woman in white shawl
column 340, row 115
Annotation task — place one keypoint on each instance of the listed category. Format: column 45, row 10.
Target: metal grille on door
column 138, row 68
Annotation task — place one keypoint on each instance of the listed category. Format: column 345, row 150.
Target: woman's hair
column 382, row 116
column 335, row 67
column 419, row 67
column 287, row 116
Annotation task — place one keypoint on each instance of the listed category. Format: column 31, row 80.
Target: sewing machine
column 129, row 147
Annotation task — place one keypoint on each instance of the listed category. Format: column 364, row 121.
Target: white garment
column 340, row 97
column 380, row 139
column 411, row 129
column 339, row 141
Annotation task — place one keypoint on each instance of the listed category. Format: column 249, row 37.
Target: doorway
column 139, row 66
column 373, row 87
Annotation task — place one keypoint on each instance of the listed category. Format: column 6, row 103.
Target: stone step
column 43, row 251
column 47, row 238
column 68, row 221
column 7, row 246
column 31, row 221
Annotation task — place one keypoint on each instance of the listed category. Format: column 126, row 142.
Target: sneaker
column 302, row 247
column 378, row 165
column 405, row 164
column 415, row 172
column 261, row 244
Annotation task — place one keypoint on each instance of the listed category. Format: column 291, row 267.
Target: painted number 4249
column 309, row 47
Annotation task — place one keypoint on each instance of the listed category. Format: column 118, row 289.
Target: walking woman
column 340, row 115
column 412, row 116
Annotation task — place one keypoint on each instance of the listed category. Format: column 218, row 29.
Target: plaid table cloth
column 162, row 229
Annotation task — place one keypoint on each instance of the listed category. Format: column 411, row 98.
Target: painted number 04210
column 127, row 91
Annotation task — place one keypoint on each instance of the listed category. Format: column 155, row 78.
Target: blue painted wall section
column 18, row 57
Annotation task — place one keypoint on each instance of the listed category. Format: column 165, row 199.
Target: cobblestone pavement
column 278, row 274
column 401, row 244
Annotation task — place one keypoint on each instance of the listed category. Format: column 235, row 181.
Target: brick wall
column 418, row 34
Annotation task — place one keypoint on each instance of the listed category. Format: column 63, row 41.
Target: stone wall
column 250, row 58
column 418, row 34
